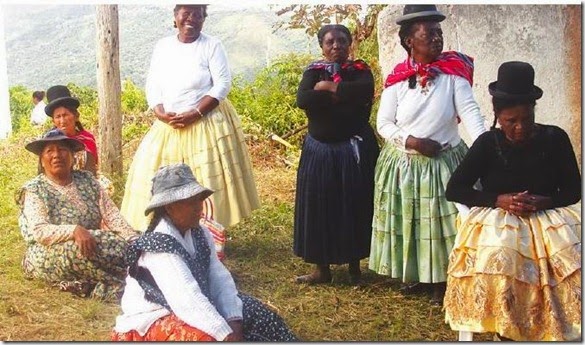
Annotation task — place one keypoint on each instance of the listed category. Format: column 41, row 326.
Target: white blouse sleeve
column 220, row 72
column 152, row 86
column 386, row 118
column 222, row 285
column 467, row 108
column 36, row 215
column 183, row 294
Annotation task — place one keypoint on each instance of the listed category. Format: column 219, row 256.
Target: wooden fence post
column 109, row 91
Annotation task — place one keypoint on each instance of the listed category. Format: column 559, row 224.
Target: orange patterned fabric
column 167, row 328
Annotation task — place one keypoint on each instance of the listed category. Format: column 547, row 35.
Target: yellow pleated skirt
column 518, row 276
column 216, row 151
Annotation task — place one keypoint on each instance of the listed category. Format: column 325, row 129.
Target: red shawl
column 89, row 141
column 450, row 62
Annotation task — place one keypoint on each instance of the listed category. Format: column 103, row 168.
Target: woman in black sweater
column 516, row 264
column 335, row 178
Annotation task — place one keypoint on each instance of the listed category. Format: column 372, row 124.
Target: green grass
column 259, row 253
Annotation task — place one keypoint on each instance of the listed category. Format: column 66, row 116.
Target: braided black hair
column 500, row 104
column 158, row 213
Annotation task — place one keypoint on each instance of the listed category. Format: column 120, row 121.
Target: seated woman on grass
column 75, row 235
column 177, row 289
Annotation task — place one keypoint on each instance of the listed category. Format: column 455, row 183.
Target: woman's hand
column 424, row 146
column 523, row 204
column 162, row 115
column 184, row 119
column 534, row 201
column 238, row 331
column 85, row 241
column 326, row 85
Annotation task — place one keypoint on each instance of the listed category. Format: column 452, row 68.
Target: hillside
column 53, row 44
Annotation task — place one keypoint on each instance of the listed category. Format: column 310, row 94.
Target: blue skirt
column 334, row 199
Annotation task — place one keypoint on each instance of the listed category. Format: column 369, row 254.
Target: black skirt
column 334, row 199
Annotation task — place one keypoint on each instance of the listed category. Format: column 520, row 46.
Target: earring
column 174, row 24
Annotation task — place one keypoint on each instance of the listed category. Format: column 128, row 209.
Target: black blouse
column 329, row 122
column 545, row 165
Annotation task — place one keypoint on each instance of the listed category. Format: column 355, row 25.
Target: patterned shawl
column 334, row 69
column 450, row 62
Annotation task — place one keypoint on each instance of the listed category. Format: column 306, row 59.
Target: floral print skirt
column 62, row 265
column 260, row 324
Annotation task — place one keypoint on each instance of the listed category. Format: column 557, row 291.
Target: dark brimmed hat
column 414, row 13
column 173, row 183
column 58, row 96
column 53, row 135
column 515, row 82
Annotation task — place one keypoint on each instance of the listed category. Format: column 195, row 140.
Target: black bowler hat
column 515, row 81
column 413, row 13
column 59, row 96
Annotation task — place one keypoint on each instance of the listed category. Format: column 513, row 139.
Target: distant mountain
column 55, row 44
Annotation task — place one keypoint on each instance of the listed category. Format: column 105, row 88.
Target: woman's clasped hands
column 523, row 204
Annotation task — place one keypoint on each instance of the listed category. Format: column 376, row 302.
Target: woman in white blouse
column 187, row 85
column 425, row 98
column 177, row 289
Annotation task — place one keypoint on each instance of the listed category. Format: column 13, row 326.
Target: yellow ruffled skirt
column 216, row 151
column 517, row 276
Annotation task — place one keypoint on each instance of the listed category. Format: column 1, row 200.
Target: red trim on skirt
column 167, row 328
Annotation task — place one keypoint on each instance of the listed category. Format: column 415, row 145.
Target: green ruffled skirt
column 413, row 224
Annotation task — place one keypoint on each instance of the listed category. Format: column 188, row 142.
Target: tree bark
column 109, row 91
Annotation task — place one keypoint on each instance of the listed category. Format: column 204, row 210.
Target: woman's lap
column 62, row 264
column 520, row 277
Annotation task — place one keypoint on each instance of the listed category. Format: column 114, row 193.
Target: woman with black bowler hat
column 515, row 268
column 62, row 108
column 333, row 202
column 425, row 98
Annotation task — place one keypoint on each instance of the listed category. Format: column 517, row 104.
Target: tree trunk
column 109, row 91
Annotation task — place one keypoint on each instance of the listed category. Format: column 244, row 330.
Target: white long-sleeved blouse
column 431, row 114
column 181, row 291
column 181, row 74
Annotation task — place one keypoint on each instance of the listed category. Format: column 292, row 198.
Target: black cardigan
column 545, row 165
column 329, row 122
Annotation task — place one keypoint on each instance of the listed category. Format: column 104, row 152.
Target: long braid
column 157, row 216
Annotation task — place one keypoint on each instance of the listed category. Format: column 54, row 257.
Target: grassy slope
column 259, row 254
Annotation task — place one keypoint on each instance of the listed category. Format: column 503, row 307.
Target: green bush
column 133, row 98
column 21, row 107
column 266, row 105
